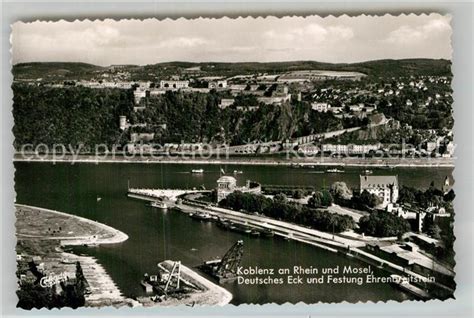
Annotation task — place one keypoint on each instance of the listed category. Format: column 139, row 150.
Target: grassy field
column 34, row 223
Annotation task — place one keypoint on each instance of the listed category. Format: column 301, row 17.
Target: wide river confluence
column 155, row 235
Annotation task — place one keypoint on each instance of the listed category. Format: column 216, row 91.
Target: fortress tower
column 123, row 122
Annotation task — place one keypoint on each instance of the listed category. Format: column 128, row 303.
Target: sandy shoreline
column 114, row 237
column 34, row 226
column 104, row 292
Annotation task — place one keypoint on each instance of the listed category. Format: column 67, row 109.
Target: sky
column 341, row 39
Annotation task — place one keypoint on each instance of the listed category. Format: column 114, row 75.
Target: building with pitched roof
column 385, row 187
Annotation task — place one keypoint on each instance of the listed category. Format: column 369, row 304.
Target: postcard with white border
column 206, row 162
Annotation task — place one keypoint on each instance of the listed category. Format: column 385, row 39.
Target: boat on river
column 225, row 269
column 159, row 205
column 197, row 171
column 244, row 229
column 259, row 232
column 266, row 232
column 201, row 216
column 241, row 228
column 224, row 224
column 91, row 245
column 235, row 227
column 335, row 170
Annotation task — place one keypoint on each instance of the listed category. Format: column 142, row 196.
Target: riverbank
column 41, row 233
column 343, row 244
column 46, row 224
column 241, row 160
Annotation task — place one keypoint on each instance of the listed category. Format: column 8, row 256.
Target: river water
column 155, row 235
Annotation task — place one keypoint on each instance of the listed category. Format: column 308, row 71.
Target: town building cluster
column 347, row 95
column 386, row 188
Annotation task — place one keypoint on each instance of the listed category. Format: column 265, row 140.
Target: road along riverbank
column 342, row 244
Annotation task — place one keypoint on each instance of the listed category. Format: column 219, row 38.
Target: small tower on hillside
column 446, row 185
column 123, row 122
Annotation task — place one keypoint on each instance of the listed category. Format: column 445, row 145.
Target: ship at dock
column 201, row 216
column 244, row 229
column 159, row 205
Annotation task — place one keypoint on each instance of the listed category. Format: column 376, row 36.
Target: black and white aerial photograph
column 207, row 162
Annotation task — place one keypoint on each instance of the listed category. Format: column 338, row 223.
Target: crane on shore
column 225, row 269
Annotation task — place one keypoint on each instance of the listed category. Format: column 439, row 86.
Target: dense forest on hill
column 194, row 117
column 68, row 115
column 379, row 68
column 54, row 70
column 77, row 115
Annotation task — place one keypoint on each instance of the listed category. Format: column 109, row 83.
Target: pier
column 153, row 194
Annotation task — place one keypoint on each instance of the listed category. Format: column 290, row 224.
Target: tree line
column 68, row 116
column 280, row 208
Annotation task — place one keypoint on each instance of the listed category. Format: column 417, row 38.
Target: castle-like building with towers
column 384, row 187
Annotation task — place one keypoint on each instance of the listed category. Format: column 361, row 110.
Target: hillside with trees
column 195, row 117
column 75, row 115
column 68, row 116
column 59, row 71
column 54, row 71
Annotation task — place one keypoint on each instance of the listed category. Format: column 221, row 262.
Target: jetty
column 154, row 194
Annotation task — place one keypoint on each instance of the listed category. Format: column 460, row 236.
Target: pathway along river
column 155, row 236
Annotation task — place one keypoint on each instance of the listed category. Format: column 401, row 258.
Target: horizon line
column 243, row 62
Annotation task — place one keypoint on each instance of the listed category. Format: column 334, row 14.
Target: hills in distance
column 57, row 71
